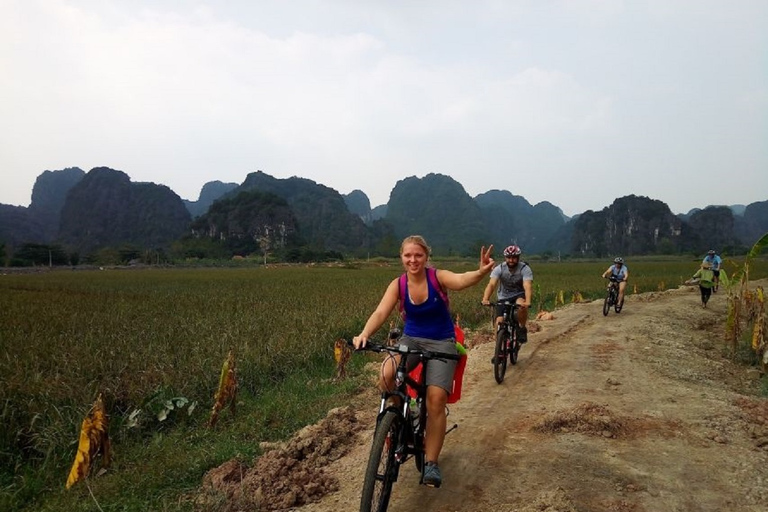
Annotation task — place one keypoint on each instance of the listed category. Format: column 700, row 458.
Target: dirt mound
column 287, row 476
column 755, row 411
column 586, row 418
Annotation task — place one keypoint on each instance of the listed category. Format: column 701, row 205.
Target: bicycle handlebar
column 506, row 303
column 376, row 346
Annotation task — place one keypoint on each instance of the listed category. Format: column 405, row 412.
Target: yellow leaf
column 757, row 336
column 342, row 354
column 226, row 393
column 94, row 439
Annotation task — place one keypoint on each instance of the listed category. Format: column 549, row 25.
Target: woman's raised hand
column 486, row 262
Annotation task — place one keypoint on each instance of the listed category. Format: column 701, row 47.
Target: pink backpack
column 432, row 276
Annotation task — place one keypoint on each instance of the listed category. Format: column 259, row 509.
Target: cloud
column 359, row 95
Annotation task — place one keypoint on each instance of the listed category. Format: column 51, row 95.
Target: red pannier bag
column 458, row 373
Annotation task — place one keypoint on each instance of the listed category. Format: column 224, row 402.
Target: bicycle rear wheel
column 418, row 438
column 418, row 457
column 513, row 351
column 500, row 356
column 382, row 469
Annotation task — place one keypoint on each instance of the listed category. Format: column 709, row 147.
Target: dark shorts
column 439, row 372
column 716, row 272
column 500, row 307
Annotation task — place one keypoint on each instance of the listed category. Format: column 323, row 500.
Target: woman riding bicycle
column 428, row 326
column 621, row 273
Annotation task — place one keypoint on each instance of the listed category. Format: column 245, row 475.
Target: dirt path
column 634, row 412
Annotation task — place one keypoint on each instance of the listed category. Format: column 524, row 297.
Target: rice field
column 141, row 337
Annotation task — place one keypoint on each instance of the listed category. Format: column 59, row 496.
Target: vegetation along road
column 640, row 411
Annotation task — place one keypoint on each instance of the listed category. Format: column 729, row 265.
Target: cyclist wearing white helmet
column 620, row 271
column 515, row 282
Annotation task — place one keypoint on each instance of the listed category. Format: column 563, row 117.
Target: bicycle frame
column 506, row 339
column 396, row 439
column 413, row 440
column 509, row 319
column 612, row 296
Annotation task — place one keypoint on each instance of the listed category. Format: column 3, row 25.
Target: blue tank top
column 430, row 320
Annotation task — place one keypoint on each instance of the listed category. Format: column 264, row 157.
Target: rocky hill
column 512, row 219
column 631, row 225
column 210, row 192
column 439, row 208
column 640, row 225
column 103, row 208
column 106, row 209
column 18, row 226
column 48, row 197
column 40, row 222
column 249, row 222
column 324, row 221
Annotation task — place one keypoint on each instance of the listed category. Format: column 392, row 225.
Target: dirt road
column 634, row 412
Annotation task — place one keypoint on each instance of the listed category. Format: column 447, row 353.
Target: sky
column 575, row 102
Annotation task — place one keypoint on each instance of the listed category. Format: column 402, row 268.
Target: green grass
column 141, row 337
column 162, row 470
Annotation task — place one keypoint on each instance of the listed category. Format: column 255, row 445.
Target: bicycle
column 612, row 296
column 506, row 340
column 400, row 429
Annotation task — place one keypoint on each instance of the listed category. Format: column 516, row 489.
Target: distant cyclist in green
column 706, row 278
column 428, row 326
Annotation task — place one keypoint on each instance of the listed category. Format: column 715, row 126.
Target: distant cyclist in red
column 515, row 281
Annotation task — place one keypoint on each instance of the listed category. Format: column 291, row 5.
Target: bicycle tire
column 419, row 457
column 500, row 355
column 607, row 304
column 513, row 353
column 382, row 469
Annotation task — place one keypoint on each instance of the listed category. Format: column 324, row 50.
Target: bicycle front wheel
column 607, row 304
column 500, row 356
column 383, row 467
